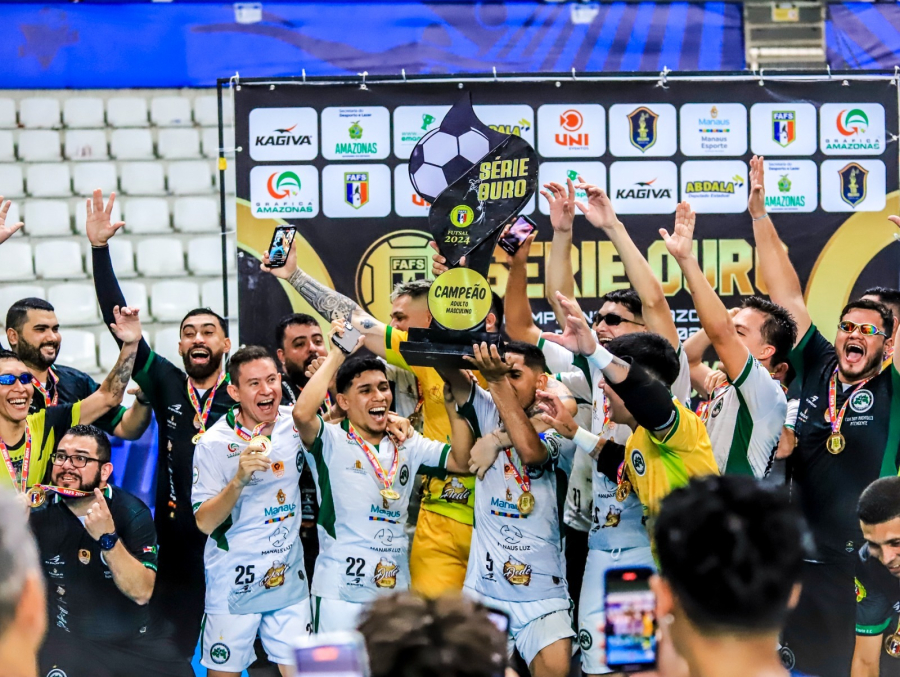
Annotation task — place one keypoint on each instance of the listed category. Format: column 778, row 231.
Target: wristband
column 760, row 218
column 146, row 403
column 793, row 408
column 586, row 440
column 600, row 358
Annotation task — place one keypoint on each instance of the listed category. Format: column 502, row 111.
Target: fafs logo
column 395, row 258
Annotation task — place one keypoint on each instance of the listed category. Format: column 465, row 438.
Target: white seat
column 83, row 113
column 131, row 144
column 15, row 261
column 10, row 293
column 196, row 214
column 47, row 217
column 121, row 252
column 147, row 215
column 178, row 144
column 14, row 216
column 205, row 255
column 230, row 179
column 8, row 114
column 206, row 111
column 160, row 257
column 78, row 349
column 127, row 111
column 39, row 112
column 90, row 176
column 39, row 145
column 75, row 303
column 58, row 259
column 135, row 294
column 49, row 180
column 170, row 111
column 165, row 343
column 7, row 147
column 143, row 178
column 209, row 141
column 190, row 177
column 230, row 212
column 81, row 214
column 109, row 350
column 86, row 144
column 170, row 301
column 211, row 293
column 11, row 183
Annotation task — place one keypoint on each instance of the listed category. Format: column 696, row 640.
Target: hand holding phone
column 630, row 608
column 516, row 234
column 280, row 247
column 347, row 341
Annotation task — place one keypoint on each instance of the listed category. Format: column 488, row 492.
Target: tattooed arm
column 127, row 329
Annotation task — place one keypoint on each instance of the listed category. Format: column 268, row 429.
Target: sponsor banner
column 591, row 172
column 791, row 186
column 356, row 133
column 515, row 119
column 406, row 201
column 649, row 187
column 284, row 134
column 715, row 186
column 411, row 123
column 713, row 129
column 642, row 130
column 853, row 185
column 284, row 192
column 851, row 129
column 571, row 130
column 783, row 129
column 356, row 191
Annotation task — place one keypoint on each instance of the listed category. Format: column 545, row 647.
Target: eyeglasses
column 78, row 461
column 9, row 379
column 865, row 329
column 613, row 320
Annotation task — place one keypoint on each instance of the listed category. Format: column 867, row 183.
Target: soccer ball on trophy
column 440, row 158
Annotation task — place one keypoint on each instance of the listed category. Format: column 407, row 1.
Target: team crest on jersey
column 386, row 573
column 860, row 590
column 234, row 449
column 274, row 577
column 516, row 572
column 299, row 461
column 357, row 468
column 585, row 641
column 404, row 475
column 788, row 660
column 278, row 468
column 280, row 497
column 717, row 407
column 862, row 400
column 84, row 556
column 455, row 491
column 56, row 672
column 637, row 460
column 219, row 653
column 613, row 517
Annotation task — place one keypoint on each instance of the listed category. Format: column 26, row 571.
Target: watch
column 108, row 541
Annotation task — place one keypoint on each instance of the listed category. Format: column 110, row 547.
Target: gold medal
column 623, row 491
column 196, row 438
column 835, row 443
column 261, row 445
column 36, row 496
column 525, row 503
column 389, row 494
column 892, row 645
column 197, row 424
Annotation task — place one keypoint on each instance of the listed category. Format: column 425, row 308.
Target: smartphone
column 630, row 608
column 331, row 654
column 521, row 228
column 280, row 247
column 348, row 341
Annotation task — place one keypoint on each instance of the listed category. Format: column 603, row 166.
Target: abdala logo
column 851, row 122
column 286, row 184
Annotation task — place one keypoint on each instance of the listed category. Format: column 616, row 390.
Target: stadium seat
column 131, row 144
column 189, row 177
column 212, row 297
column 7, row 147
column 170, row 111
column 127, row 111
column 205, row 255
column 86, row 144
column 143, row 178
column 135, row 294
column 39, row 145
column 39, row 113
column 209, row 141
column 78, row 348
column 11, row 183
column 165, row 343
column 171, row 300
column 58, row 259
column 49, row 180
column 109, row 350
column 15, row 261
column 196, row 214
column 178, row 144
column 44, row 218
column 8, row 114
column 81, row 214
column 121, row 252
column 14, row 215
column 10, row 293
column 147, row 215
column 230, row 179
column 160, row 257
column 83, row 113
column 75, row 303
column 90, row 176
column 206, row 111
column 230, row 212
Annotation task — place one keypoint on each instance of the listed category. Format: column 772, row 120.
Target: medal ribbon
column 620, row 473
column 836, row 419
column 247, row 435
column 26, row 462
column 414, row 416
column 522, row 479
column 63, row 491
column 607, row 415
column 386, row 480
column 48, row 401
column 203, row 413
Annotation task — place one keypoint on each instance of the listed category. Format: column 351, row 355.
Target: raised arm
column 775, row 265
column 135, row 420
column 694, row 348
column 7, row 230
column 461, row 436
column 519, row 323
column 559, row 276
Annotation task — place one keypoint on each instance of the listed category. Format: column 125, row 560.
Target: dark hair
column 732, row 549
column 451, row 636
column 104, row 450
column 531, row 354
column 289, row 321
column 651, row 351
column 8, row 355
column 18, row 311
column 353, row 368
column 779, row 329
column 880, row 502
column 223, row 323
column 887, row 296
column 625, row 297
column 497, row 309
column 244, row 355
column 887, row 317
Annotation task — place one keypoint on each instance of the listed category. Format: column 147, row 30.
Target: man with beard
column 33, row 334
column 98, row 547
column 845, row 440
column 186, row 403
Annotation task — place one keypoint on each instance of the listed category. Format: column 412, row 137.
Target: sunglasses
column 865, row 329
column 9, row 379
column 78, row 461
column 613, row 320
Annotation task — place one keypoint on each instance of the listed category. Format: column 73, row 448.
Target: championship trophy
column 477, row 180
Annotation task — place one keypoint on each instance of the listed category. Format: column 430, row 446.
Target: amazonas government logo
column 393, row 259
column 283, row 184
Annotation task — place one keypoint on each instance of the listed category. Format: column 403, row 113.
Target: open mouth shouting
column 854, row 353
column 19, row 403
column 378, row 414
column 200, row 355
column 267, row 408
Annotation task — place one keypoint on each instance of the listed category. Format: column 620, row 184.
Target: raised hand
column 439, row 262
column 599, row 210
column 127, row 325
column 251, row 461
column 484, row 453
column 99, row 219
column 285, row 271
column 489, row 362
column 98, row 520
column 338, row 327
column 555, row 414
column 562, row 204
column 7, row 231
column 520, row 258
column 680, row 242
column 399, row 428
column 713, row 380
column 756, row 205
column 577, row 336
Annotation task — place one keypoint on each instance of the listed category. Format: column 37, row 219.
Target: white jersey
column 363, row 548
column 744, row 421
column 516, row 557
column 254, row 560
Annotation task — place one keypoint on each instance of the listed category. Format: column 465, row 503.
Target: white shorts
column 532, row 625
column 227, row 639
column 591, row 616
column 333, row 615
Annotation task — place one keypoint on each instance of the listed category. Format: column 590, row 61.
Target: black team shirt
column 72, row 386
column 877, row 607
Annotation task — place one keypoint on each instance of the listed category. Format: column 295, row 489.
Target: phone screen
column 342, row 658
column 521, row 228
column 282, row 239
column 630, row 619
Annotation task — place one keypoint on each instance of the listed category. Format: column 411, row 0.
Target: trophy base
column 443, row 348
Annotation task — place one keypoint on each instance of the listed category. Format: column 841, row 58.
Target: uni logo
column 283, row 184
column 853, row 121
column 462, row 216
